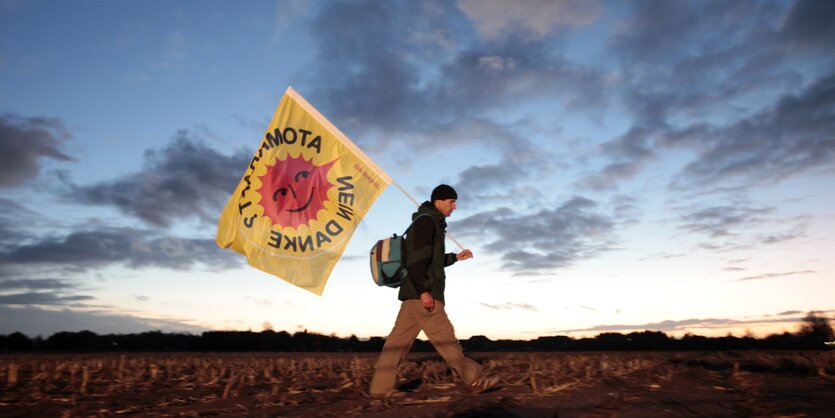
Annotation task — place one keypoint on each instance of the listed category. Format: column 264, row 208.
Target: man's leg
column 398, row 343
column 441, row 334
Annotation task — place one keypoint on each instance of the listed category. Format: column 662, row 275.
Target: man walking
column 422, row 296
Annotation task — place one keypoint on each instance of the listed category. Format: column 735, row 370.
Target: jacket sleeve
column 450, row 259
column 420, row 259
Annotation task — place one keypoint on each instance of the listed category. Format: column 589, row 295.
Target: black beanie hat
column 443, row 192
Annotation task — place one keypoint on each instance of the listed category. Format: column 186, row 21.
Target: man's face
column 445, row 206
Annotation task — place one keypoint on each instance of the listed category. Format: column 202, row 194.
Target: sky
column 620, row 165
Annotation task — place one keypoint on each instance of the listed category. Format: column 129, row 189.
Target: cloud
column 754, row 149
column 532, row 18
column 688, row 324
column 544, row 240
column 793, row 136
column 511, row 138
column 809, row 24
column 784, row 313
column 777, row 238
column 34, row 321
column 508, row 306
column 490, row 181
column 509, row 177
column 497, row 76
column 657, row 31
column 36, row 284
column 713, row 78
column 184, row 180
column 609, row 178
column 370, row 80
column 721, row 221
column 15, row 222
column 40, row 292
column 773, row 275
column 24, row 142
column 737, row 225
column 685, row 36
column 40, row 298
column 134, row 248
column 383, row 77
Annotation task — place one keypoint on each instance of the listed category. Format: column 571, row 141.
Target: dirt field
column 631, row 384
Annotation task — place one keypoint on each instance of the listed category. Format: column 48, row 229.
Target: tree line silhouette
column 814, row 333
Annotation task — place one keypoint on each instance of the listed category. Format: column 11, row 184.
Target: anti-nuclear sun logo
column 294, row 190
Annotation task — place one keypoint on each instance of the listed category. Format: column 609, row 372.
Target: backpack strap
column 403, row 242
column 413, row 222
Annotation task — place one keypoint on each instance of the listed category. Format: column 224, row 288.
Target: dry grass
column 96, row 383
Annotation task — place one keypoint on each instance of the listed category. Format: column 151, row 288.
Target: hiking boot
column 483, row 384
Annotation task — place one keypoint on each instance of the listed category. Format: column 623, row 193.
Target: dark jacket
column 425, row 255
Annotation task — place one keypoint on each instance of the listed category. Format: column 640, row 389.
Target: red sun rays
column 294, row 190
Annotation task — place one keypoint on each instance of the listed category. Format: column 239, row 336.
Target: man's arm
column 449, row 259
column 418, row 262
column 452, row 258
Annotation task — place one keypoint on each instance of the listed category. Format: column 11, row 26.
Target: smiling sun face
column 294, row 190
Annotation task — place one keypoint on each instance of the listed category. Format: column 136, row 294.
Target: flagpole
column 418, row 205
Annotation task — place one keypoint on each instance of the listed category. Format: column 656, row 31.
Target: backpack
column 388, row 259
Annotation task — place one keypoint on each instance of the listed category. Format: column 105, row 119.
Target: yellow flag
column 303, row 194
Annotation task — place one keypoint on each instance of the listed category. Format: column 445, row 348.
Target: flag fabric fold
column 302, row 196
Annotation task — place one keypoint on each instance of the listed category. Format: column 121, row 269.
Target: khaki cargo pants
column 413, row 318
